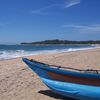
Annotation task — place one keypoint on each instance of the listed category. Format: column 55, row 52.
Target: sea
column 14, row 51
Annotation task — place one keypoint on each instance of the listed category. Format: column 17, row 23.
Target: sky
column 37, row 20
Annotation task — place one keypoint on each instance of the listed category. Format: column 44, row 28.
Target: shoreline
column 18, row 82
column 70, row 50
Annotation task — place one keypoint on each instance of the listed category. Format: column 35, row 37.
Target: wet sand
column 18, row 82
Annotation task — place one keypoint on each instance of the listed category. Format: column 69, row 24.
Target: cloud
column 70, row 3
column 42, row 11
column 84, row 28
column 73, row 26
column 67, row 4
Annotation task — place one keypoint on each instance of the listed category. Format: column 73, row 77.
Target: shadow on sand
column 54, row 95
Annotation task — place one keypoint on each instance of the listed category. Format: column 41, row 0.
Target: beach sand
column 18, row 82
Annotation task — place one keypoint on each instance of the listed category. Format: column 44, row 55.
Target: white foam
column 21, row 53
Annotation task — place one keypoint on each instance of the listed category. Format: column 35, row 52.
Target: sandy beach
column 18, row 82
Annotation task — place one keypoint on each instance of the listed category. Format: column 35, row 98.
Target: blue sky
column 35, row 20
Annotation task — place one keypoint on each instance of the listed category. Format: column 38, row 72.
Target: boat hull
column 76, row 91
column 68, row 87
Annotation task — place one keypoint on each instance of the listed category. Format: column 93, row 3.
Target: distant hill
column 57, row 41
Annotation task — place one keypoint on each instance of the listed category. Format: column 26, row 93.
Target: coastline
column 16, row 51
column 18, row 82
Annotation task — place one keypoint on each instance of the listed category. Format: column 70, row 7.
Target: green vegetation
column 56, row 41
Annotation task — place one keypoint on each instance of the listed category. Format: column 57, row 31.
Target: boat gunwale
column 61, row 71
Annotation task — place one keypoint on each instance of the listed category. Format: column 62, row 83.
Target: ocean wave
column 9, row 54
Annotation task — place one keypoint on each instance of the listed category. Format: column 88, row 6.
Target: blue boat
column 78, row 84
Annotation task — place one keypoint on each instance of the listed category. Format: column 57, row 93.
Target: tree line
column 57, row 41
